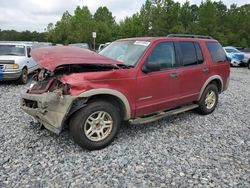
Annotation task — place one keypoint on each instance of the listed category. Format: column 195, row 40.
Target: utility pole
column 94, row 37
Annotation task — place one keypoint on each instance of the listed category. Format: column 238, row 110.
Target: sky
column 34, row 15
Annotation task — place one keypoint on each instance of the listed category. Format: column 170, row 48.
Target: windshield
column 17, row 50
column 127, row 52
column 232, row 50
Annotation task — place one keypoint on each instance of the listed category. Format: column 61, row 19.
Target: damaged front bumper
column 50, row 109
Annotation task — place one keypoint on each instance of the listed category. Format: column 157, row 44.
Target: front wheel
column 96, row 125
column 208, row 100
column 23, row 79
column 248, row 65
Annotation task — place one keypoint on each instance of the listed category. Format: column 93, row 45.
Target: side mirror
column 150, row 67
column 28, row 52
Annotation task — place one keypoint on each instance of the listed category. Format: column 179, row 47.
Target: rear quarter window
column 216, row 51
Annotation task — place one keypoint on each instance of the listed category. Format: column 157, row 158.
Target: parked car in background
column 139, row 80
column 41, row 44
column 236, row 57
column 16, row 62
column 246, row 50
column 102, row 46
column 247, row 54
column 81, row 45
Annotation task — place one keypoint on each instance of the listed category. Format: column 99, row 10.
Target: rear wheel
column 208, row 100
column 96, row 125
column 248, row 65
column 23, row 77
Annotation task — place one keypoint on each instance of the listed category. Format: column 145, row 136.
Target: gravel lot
column 180, row 151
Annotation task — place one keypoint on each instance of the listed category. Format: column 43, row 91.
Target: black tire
column 23, row 79
column 78, row 123
column 248, row 65
column 204, row 108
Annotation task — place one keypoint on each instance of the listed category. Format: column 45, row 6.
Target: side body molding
column 215, row 77
column 111, row 92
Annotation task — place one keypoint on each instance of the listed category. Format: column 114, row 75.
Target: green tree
column 131, row 27
column 104, row 25
column 81, row 26
column 62, row 29
column 146, row 18
column 49, row 32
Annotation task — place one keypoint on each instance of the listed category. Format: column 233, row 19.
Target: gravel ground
column 181, row 151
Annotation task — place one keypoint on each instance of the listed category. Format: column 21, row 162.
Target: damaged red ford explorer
column 139, row 80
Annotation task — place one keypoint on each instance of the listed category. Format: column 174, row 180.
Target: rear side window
column 216, row 51
column 164, row 54
column 191, row 53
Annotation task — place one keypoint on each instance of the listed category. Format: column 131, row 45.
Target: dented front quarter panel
column 121, row 80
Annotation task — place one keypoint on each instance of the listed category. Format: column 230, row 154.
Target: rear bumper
column 10, row 75
column 49, row 109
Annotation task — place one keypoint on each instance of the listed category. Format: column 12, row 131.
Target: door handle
column 205, row 70
column 173, row 75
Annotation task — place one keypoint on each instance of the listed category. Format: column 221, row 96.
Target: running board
column 160, row 115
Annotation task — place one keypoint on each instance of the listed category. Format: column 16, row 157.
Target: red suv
column 139, row 80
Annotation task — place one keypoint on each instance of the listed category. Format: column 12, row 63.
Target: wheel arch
column 113, row 96
column 217, row 80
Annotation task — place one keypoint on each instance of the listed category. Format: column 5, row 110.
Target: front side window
column 127, row 52
column 188, row 53
column 216, row 51
column 15, row 50
column 164, row 54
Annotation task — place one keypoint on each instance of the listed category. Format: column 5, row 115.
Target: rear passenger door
column 193, row 72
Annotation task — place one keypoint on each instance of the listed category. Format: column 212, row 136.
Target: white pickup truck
column 16, row 62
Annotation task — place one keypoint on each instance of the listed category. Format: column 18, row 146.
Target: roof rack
column 190, row 36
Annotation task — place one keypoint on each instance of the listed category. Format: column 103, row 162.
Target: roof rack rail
column 190, row 36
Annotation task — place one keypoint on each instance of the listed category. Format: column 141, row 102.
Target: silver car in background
column 81, row 45
column 16, row 62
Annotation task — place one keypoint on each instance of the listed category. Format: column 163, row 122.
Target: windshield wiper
column 124, row 66
column 107, row 65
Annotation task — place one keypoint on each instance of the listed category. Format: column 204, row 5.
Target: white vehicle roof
column 229, row 47
column 23, row 44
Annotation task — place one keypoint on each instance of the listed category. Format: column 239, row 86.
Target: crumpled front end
column 48, row 100
column 55, row 95
column 50, row 109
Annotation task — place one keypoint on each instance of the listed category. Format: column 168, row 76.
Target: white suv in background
column 16, row 62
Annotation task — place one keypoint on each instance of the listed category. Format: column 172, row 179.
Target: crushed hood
column 52, row 57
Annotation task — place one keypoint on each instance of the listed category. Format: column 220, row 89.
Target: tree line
column 229, row 25
column 12, row 35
